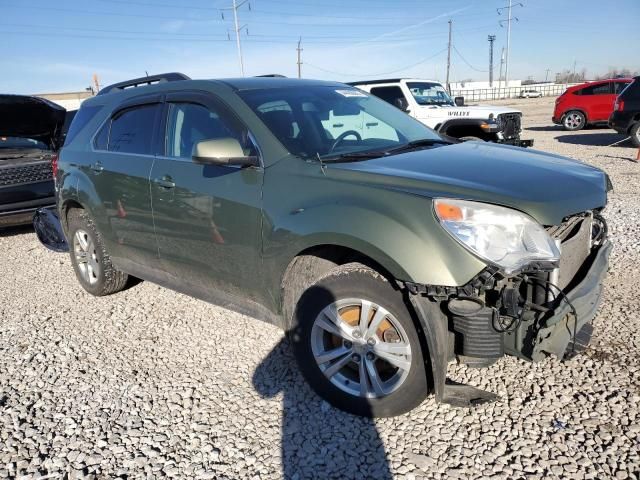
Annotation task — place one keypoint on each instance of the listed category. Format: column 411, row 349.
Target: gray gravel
column 151, row 383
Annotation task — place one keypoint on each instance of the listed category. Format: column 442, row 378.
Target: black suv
column 30, row 132
column 625, row 118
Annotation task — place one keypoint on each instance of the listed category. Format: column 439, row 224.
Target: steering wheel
column 344, row 135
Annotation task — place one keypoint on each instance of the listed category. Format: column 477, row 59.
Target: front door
column 122, row 162
column 207, row 217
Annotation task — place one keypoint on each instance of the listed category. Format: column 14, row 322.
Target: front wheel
column 634, row 133
column 574, row 120
column 357, row 345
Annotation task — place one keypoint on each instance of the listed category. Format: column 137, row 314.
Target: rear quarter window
column 81, row 118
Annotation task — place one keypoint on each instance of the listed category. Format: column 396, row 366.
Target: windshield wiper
column 353, row 156
column 425, row 142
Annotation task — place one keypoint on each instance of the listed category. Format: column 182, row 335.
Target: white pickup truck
column 429, row 102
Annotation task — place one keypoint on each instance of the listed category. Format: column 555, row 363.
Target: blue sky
column 57, row 46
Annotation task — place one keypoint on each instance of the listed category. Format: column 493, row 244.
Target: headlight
column 499, row 235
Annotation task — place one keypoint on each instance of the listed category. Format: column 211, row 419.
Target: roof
column 389, row 80
column 156, row 82
column 250, row 83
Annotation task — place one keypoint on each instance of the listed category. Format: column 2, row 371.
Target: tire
column 574, row 120
column 471, row 139
column 96, row 274
column 352, row 289
column 634, row 133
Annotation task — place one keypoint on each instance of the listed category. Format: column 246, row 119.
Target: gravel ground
column 151, row 383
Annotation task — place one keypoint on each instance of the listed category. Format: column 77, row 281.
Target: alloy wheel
column 573, row 121
column 86, row 256
column 361, row 348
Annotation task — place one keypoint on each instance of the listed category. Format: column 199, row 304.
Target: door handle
column 97, row 167
column 338, row 125
column 164, row 182
column 372, row 124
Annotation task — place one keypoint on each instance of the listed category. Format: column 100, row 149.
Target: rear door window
column 601, row 89
column 132, row 130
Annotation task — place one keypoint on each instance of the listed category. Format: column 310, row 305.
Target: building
column 69, row 100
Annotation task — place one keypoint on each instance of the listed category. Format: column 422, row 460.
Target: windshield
column 18, row 142
column 332, row 121
column 428, row 93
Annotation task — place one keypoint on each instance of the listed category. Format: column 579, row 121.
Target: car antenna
column 323, row 166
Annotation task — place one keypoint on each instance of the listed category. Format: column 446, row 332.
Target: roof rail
column 142, row 81
column 271, row 75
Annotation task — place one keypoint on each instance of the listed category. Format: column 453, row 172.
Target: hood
column 470, row 110
column 547, row 187
column 31, row 117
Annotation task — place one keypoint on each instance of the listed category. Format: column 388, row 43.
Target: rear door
column 207, row 217
column 598, row 99
column 122, row 161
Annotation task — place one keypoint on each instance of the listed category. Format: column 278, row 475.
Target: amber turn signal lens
column 447, row 212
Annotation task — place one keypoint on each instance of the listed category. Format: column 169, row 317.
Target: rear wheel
column 357, row 345
column 635, row 134
column 89, row 258
column 574, row 120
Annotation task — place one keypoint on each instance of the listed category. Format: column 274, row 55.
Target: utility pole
column 299, row 49
column 573, row 77
column 546, row 76
column 508, row 20
column 501, row 64
column 237, row 29
column 491, row 38
column 449, row 59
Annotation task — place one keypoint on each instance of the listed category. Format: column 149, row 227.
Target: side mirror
column 401, row 103
column 222, row 151
column 459, row 101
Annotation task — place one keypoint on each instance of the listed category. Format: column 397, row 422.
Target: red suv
column 588, row 103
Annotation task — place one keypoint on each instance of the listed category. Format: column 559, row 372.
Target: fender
column 406, row 240
column 77, row 188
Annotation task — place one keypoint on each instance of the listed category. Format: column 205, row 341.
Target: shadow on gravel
column 594, row 139
column 318, row 441
column 546, row 128
column 18, row 230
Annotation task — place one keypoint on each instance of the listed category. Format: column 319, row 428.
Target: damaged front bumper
column 543, row 310
column 559, row 326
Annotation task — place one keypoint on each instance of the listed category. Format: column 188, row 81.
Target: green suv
column 383, row 250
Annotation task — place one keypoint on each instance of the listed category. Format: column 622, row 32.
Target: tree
column 618, row 72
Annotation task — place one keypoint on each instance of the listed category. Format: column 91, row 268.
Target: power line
column 365, row 20
column 252, row 37
column 359, row 74
column 468, row 64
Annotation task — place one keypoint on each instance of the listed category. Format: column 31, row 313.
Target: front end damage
column 542, row 310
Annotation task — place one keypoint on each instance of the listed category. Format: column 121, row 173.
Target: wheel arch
column 311, row 263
